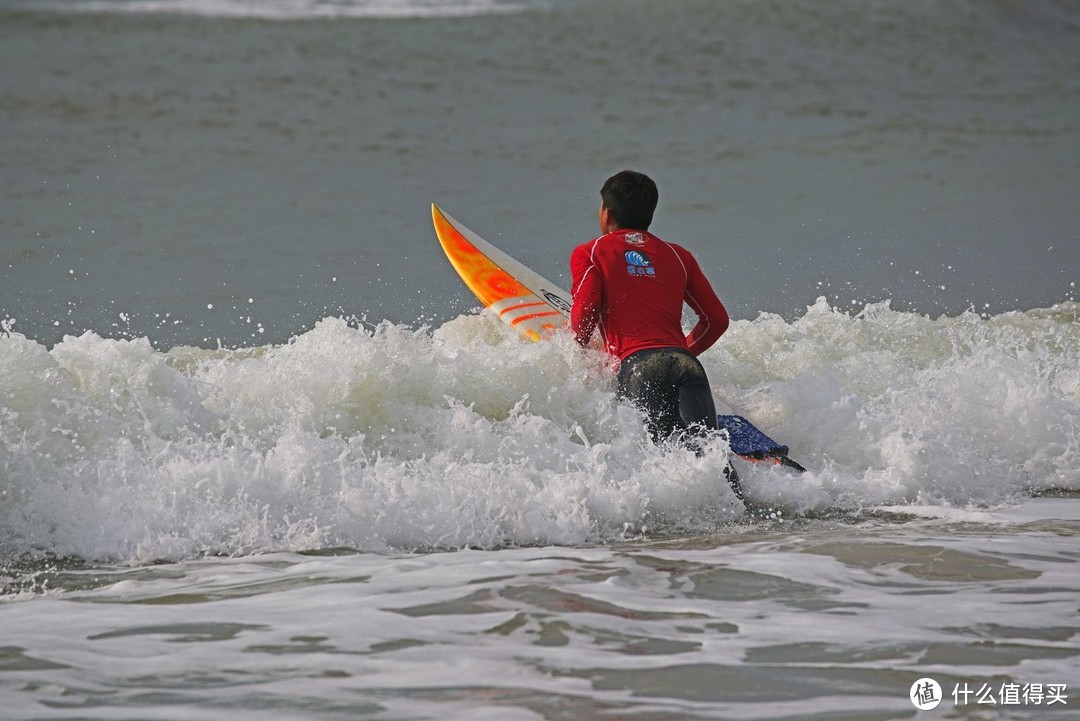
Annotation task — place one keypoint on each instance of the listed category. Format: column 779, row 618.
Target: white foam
column 296, row 9
column 399, row 438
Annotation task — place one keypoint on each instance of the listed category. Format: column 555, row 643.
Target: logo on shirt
column 638, row 264
column 634, row 239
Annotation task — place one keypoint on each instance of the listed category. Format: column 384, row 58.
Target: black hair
column 631, row 197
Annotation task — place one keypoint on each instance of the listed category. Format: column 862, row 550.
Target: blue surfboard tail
column 750, row 443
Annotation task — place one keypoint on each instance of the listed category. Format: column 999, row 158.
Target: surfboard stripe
column 535, row 328
column 547, row 314
column 533, row 304
column 520, row 301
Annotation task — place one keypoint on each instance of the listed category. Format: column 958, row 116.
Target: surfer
column 631, row 285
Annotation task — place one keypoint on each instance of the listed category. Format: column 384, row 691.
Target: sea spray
column 392, row 438
column 902, row 407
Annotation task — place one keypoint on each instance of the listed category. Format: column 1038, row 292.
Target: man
column 632, row 285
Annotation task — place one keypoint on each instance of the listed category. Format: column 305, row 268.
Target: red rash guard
column 632, row 285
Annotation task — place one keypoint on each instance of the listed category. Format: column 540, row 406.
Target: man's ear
column 606, row 221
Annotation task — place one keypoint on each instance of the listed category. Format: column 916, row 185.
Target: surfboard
column 536, row 307
column 521, row 297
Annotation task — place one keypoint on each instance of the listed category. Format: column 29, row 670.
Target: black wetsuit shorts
column 670, row 387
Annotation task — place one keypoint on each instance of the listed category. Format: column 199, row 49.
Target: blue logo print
column 638, row 264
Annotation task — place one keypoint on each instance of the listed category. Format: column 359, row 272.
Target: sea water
column 261, row 457
column 363, row 523
column 200, row 170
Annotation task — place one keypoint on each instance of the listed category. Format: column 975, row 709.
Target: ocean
column 263, row 457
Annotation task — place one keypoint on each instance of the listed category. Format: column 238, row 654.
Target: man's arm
column 587, row 290
column 713, row 318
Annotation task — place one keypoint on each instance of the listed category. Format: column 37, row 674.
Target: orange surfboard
column 521, row 297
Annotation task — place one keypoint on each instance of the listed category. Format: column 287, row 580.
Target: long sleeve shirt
column 632, row 286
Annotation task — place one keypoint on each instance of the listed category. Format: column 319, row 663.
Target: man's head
column 629, row 198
